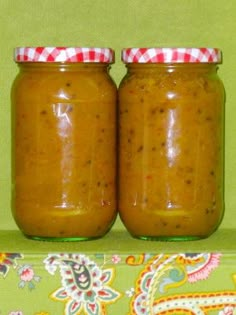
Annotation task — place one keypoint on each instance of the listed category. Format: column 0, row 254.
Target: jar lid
column 63, row 54
column 171, row 55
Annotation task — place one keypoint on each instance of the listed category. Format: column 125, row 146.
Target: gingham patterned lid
column 171, row 55
column 63, row 54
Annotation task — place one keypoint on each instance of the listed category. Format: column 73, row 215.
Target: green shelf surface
column 119, row 241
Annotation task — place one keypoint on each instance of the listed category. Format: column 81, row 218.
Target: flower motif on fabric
column 162, row 273
column 27, row 277
column 130, row 292
column 85, row 286
column 107, row 259
column 229, row 310
column 8, row 260
column 116, row 259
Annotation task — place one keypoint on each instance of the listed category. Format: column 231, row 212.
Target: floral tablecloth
column 117, row 284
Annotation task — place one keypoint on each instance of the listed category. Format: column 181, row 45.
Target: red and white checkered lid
column 171, row 55
column 64, row 54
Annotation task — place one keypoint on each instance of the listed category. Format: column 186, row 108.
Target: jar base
column 62, row 239
column 174, row 238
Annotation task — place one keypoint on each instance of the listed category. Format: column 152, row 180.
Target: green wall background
column 117, row 24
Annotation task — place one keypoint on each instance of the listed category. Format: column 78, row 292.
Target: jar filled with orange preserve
column 171, row 113
column 64, row 141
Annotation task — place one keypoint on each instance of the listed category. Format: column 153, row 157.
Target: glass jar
column 171, row 113
column 64, row 141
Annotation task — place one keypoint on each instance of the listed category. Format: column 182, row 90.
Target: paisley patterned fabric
column 146, row 284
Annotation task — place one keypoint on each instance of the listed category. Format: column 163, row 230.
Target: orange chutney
column 171, row 145
column 64, row 141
